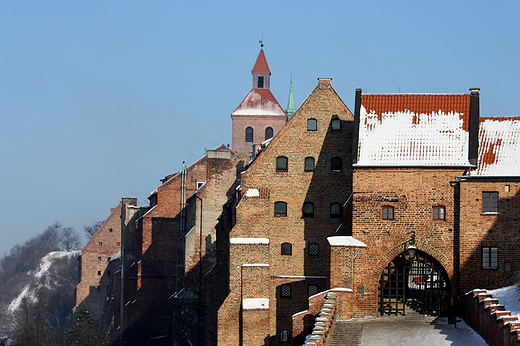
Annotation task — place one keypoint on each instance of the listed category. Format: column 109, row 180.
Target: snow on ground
column 29, row 291
column 509, row 297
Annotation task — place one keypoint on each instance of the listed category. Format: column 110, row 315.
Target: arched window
column 286, row 249
column 335, row 210
column 335, row 123
column 285, row 291
column 313, row 249
column 280, row 209
column 312, row 124
column 249, row 135
column 285, row 336
column 281, row 164
column 268, row 133
column 336, row 164
column 388, row 213
column 312, row 289
column 308, row 209
column 439, row 213
column 309, row 164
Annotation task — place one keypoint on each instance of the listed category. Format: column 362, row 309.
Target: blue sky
column 101, row 99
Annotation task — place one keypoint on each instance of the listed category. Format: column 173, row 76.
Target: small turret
column 290, row 110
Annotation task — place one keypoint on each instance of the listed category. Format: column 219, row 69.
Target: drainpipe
column 200, row 336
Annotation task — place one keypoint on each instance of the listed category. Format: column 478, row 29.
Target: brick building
column 259, row 116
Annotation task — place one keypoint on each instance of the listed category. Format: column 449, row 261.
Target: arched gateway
column 418, row 283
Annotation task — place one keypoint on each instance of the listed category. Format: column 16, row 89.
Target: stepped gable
column 414, row 130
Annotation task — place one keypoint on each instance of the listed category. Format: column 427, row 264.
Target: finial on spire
column 262, row 40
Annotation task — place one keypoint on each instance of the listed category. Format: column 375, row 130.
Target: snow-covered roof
column 414, row 130
column 259, row 102
column 499, row 147
column 345, row 241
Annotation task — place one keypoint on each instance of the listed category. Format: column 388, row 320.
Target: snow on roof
column 255, row 303
column 499, row 147
column 414, row 130
column 259, row 102
column 345, row 241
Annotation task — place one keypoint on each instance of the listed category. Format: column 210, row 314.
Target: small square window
column 313, row 289
column 111, row 230
column 490, row 202
column 313, row 249
column 280, row 209
column 439, row 213
column 99, row 272
column 388, row 213
column 312, row 125
column 335, row 124
column 118, row 244
column 335, row 210
column 285, row 291
column 309, row 164
column 100, row 243
column 489, row 257
column 285, row 335
column 99, row 259
column 286, row 249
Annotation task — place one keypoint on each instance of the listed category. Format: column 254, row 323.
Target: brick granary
column 406, row 203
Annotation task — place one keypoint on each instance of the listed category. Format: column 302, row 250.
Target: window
column 111, row 230
column 200, row 184
column 249, row 135
column 490, row 202
column 118, row 244
column 335, row 164
column 335, row 123
column 313, row 249
column 312, row 125
column 99, row 272
column 312, row 289
column 309, row 164
column 388, row 213
column 108, row 259
column 260, row 81
column 439, row 213
column 100, row 243
column 286, row 249
column 308, row 209
column 335, row 210
column 108, row 272
column 280, row 209
column 285, row 291
column 99, row 259
column 268, row 133
column 285, row 335
column 489, row 257
column 281, row 164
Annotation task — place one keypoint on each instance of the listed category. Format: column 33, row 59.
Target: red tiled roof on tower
column 261, row 64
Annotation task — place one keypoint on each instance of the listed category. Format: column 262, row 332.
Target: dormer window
column 260, row 81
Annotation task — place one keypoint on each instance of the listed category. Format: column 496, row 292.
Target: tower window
column 308, row 209
column 312, row 125
column 249, row 135
column 439, row 213
column 309, row 164
column 281, row 164
column 280, row 209
column 336, row 164
column 490, row 202
column 286, row 249
column 268, row 133
column 388, row 213
column 335, row 210
column 260, row 81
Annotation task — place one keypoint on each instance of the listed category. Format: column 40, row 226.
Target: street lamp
column 411, row 249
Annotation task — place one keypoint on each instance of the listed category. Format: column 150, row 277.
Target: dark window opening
column 309, row 164
column 335, row 210
column 260, row 81
column 249, row 135
column 280, row 209
column 268, row 133
column 282, row 164
column 312, row 125
column 313, row 289
column 285, row 335
column 336, row 164
column 388, row 213
column 308, row 209
column 286, row 249
column 490, row 202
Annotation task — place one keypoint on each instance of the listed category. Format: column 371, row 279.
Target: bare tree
column 69, row 239
column 92, row 229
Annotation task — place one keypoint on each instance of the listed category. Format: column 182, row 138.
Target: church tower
column 259, row 116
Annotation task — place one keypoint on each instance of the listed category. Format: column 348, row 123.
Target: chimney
column 474, row 114
column 324, row 81
column 355, row 134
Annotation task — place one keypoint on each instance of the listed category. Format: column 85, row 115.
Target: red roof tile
column 261, row 64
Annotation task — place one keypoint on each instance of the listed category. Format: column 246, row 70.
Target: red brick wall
column 259, row 123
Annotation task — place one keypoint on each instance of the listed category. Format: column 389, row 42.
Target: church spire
column 261, row 72
column 290, row 110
